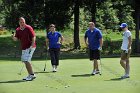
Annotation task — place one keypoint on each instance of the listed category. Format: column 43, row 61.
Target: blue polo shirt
column 93, row 38
column 53, row 39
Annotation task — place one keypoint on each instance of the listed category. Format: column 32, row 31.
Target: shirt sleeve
column 128, row 34
column 59, row 34
column 99, row 34
column 31, row 32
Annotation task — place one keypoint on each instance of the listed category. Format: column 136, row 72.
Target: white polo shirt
column 126, row 34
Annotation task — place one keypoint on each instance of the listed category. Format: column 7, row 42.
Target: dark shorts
column 94, row 54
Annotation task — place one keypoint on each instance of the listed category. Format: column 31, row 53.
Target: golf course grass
column 73, row 76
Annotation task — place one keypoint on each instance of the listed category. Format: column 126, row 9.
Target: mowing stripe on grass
column 133, row 83
column 53, row 77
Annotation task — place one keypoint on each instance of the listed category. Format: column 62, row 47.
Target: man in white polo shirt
column 126, row 50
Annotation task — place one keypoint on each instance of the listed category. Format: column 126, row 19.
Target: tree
column 58, row 12
column 76, row 24
column 38, row 13
column 106, row 16
column 2, row 13
column 125, row 12
column 137, row 20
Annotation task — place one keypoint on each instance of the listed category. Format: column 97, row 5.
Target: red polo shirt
column 25, row 36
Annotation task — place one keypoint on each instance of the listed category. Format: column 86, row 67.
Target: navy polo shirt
column 53, row 39
column 93, row 38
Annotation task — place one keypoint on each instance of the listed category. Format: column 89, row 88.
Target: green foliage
column 107, row 16
column 127, row 17
column 58, row 12
column 111, row 46
column 2, row 13
column 38, row 13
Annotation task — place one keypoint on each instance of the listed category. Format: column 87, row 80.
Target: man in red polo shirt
column 26, row 35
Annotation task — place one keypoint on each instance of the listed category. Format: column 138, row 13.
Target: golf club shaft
column 100, row 64
column 21, row 69
column 46, row 60
column 45, row 67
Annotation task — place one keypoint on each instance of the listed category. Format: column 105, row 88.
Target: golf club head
column 44, row 69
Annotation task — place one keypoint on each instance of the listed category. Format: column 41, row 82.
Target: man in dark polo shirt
column 94, row 41
column 26, row 35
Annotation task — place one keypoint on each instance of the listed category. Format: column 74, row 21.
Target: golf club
column 23, row 65
column 21, row 70
column 45, row 60
column 45, row 66
column 100, row 65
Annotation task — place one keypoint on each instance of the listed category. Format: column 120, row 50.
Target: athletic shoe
column 93, row 73
column 97, row 72
column 125, row 76
column 29, row 77
column 54, row 70
column 25, row 78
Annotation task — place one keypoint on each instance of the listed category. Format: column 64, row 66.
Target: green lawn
column 73, row 77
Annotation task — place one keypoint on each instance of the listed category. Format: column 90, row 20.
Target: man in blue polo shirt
column 94, row 41
column 53, row 41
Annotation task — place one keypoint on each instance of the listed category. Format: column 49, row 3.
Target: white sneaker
column 97, row 72
column 25, row 78
column 54, row 69
column 29, row 77
column 125, row 76
column 94, row 72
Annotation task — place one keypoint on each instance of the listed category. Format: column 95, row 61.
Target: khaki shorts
column 27, row 54
column 124, row 55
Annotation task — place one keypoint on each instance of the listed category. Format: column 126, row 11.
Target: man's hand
column 126, row 51
column 100, row 48
column 13, row 36
column 59, row 43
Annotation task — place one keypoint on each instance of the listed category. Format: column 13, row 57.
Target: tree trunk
column 137, row 13
column 93, row 11
column 76, row 25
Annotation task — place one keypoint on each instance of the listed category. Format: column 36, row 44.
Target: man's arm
column 13, row 37
column 86, row 41
column 101, row 42
column 33, row 41
column 47, row 43
column 61, row 39
column 129, row 42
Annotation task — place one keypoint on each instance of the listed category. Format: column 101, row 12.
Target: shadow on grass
column 43, row 72
column 13, row 81
column 115, row 79
column 82, row 75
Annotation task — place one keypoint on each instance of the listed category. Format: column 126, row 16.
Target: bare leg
column 29, row 67
column 122, row 62
column 95, row 65
column 127, row 67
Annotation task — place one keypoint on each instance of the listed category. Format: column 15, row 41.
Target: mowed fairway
column 73, row 77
